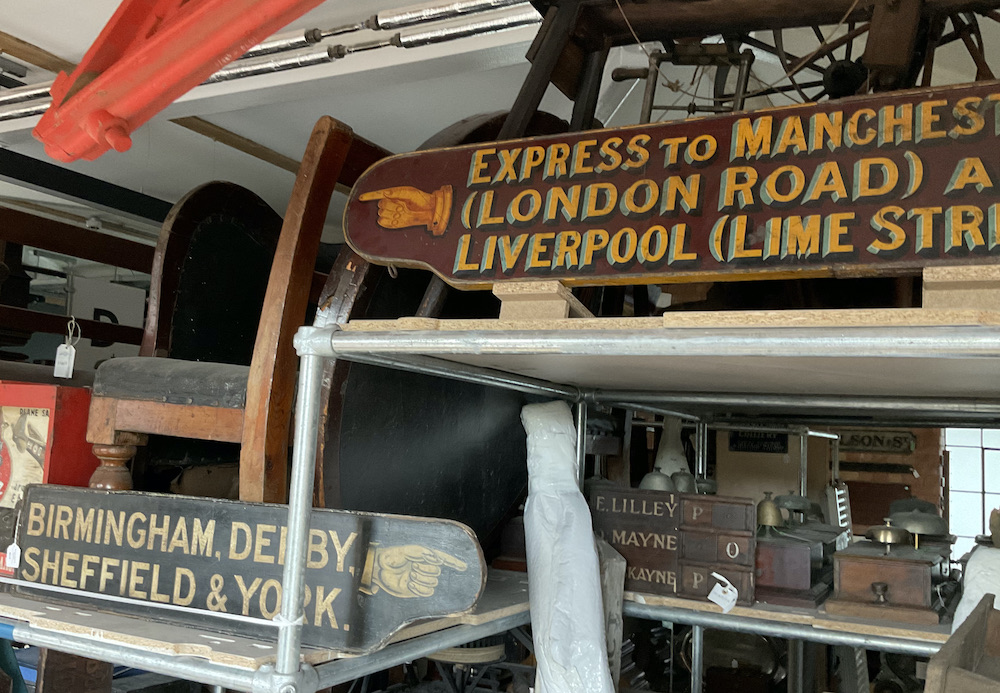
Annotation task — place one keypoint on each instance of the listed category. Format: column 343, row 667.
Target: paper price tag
column 65, row 358
column 13, row 556
column 723, row 594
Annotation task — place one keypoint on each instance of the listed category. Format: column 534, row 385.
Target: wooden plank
column 539, row 300
column 238, row 142
column 900, row 614
column 154, row 636
column 892, row 36
column 506, row 594
column 346, row 292
column 162, row 418
column 59, row 237
column 613, row 568
column 263, row 456
column 367, row 574
column 887, row 317
column 962, row 288
column 29, row 53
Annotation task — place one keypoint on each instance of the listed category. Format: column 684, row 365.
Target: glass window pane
column 965, row 513
column 972, row 437
column 991, row 438
column 992, row 503
column 966, row 469
column 991, row 470
column 962, row 546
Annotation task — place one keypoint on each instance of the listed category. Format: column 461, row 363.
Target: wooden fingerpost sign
column 367, row 575
column 888, row 183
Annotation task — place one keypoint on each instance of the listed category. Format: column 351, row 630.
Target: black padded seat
column 173, row 381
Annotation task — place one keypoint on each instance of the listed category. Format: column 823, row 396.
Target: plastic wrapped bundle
column 982, row 577
column 567, row 617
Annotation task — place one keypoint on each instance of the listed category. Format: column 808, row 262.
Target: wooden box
column 43, row 439
column 969, row 662
column 909, row 576
column 790, row 572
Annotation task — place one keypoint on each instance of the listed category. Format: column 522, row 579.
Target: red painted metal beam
column 150, row 53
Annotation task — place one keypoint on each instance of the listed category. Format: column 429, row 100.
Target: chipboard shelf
column 236, row 662
column 918, row 367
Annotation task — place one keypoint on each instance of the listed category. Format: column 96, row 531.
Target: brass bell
column 768, row 514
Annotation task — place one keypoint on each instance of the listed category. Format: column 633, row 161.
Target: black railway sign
column 367, row 575
column 758, row 441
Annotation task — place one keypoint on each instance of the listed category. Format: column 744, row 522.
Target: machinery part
column 28, row 93
column 768, row 514
column 844, row 78
column 433, row 12
column 513, row 17
column 888, row 534
column 146, row 56
column 920, row 523
column 725, row 649
column 266, row 64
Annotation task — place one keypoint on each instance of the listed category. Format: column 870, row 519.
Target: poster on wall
column 24, row 434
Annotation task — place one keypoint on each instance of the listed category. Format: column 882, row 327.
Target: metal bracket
column 267, row 680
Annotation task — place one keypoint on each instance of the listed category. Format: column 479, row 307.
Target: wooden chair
column 205, row 400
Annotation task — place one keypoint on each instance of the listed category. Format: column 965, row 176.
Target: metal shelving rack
column 585, row 366
column 732, row 367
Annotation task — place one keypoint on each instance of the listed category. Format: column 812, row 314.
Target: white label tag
column 13, row 556
column 723, row 594
column 65, row 358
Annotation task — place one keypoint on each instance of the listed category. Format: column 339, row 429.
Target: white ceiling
column 393, row 96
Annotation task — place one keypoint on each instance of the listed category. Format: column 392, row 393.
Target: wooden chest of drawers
column 673, row 542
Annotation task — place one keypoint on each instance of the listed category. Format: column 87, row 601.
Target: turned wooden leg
column 113, row 474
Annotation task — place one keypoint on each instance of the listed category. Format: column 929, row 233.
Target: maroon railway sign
column 888, row 183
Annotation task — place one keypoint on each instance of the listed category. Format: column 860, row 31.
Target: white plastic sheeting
column 564, row 586
column 982, row 576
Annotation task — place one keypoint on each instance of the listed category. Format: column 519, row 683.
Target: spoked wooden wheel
column 807, row 64
column 801, row 65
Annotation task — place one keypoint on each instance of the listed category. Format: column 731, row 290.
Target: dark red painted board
column 881, row 184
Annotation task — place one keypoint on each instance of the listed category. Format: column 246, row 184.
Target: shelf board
column 506, row 595
column 778, row 352
column 732, row 363
column 813, row 618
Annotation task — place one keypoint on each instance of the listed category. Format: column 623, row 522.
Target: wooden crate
column 970, row 661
